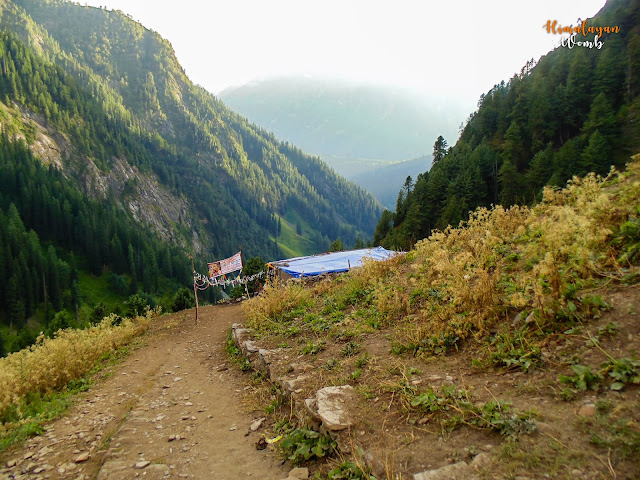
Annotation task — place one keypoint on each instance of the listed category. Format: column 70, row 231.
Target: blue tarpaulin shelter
column 332, row 262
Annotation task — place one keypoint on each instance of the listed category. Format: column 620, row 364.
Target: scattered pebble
column 83, row 457
column 142, row 464
column 257, row 424
column 588, row 410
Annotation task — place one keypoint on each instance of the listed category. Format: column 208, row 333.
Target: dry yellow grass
column 273, row 302
column 51, row 363
column 460, row 282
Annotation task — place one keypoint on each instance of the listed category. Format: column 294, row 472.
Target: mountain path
column 171, row 409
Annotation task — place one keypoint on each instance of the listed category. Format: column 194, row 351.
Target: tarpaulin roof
column 332, row 262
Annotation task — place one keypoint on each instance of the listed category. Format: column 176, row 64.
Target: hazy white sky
column 448, row 49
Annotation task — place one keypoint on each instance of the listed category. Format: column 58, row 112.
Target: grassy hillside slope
column 514, row 335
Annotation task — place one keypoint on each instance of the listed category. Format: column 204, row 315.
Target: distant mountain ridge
column 346, row 119
column 353, row 127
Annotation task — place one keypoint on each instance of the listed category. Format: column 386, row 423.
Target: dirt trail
column 170, row 410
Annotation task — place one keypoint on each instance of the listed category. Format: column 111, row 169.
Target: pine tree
column 601, row 117
column 15, row 302
column 633, row 77
column 3, row 349
column 439, row 150
column 133, row 286
column 509, row 184
column 541, row 168
column 53, row 279
column 384, row 227
column 597, row 156
column 336, row 246
column 514, row 151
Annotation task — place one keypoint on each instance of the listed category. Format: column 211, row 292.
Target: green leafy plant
column 593, row 305
column 331, row 364
column 303, row 444
column 316, row 323
column 362, row 360
column 277, row 396
column 609, row 329
column 628, row 240
column 583, row 379
column 513, row 350
column 312, row 348
column 619, row 436
column 235, row 355
column 351, row 349
column 348, row 471
column 497, row 415
column 623, row 371
column 433, row 401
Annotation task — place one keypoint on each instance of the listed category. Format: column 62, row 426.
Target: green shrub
column 303, row 444
column 98, row 313
column 183, row 299
column 137, row 305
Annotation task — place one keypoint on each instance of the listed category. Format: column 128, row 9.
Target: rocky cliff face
column 150, row 203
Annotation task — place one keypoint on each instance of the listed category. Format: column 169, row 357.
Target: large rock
column 299, row 473
column 334, row 406
column 249, row 346
column 240, row 334
column 290, row 385
column 263, row 362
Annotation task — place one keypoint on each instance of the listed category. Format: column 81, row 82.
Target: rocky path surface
column 170, row 410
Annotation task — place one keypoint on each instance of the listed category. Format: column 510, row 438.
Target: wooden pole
column 195, row 290
column 246, row 288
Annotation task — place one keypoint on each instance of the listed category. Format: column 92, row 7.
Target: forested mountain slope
column 575, row 111
column 114, row 163
column 192, row 142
